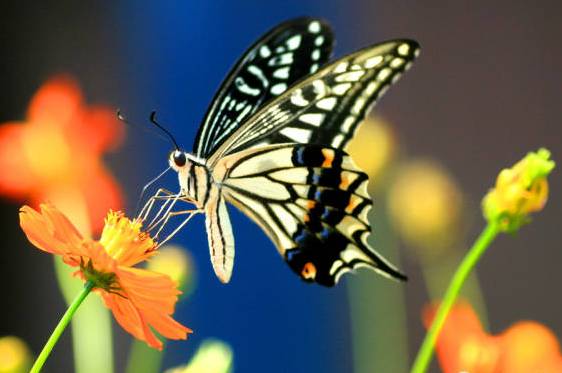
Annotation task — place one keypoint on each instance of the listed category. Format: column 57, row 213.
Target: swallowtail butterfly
column 273, row 144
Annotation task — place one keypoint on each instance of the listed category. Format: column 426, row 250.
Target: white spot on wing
column 404, row 49
column 282, row 59
column 371, row 88
column 347, row 123
column 351, row 76
column 341, row 67
column 245, row 88
column 281, row 73
column 297, row 98
column 384, row 74
column 265, row 51
column 373, row 61
column 278, row 88
column 314, row 27
column 327, row 103
column 297, row 134
column 319, row 40
column 315, row 55
column 294, row 42
column 314, row 119
column 396, row 62
column 338, row 140
column 335, row 266
column 341, row 89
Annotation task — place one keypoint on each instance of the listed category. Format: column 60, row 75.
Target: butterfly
column 273, row 144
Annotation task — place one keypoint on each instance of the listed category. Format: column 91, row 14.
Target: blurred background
column 484, row 92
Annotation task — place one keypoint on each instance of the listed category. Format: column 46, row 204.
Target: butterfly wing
column 326, row 107
column 281, row 57
column 311, row 201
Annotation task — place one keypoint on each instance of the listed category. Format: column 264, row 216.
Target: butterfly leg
column 189, row 213
column 161, row 194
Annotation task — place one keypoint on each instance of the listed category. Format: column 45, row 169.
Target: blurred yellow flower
column 374, row 146
column 519, row 191
column 425, row 206
column 176, row 263
column 14, row 355
column 213, row 356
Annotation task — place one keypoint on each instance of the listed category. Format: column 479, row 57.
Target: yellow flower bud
column 176, row 263
column 213, row 356
column 519, row 191
column 374, row 146
column 14, row 355
column 425, row 205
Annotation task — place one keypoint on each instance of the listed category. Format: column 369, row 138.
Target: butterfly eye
column 179, row 158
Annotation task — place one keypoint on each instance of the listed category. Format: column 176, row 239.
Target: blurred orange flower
column 139, row 299
column 57, row 150
column 464, row 346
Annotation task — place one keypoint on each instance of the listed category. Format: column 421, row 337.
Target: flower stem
column 482, row 243
column 53, row 339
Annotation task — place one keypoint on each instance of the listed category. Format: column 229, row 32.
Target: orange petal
column 56, row 102
column 153, row 296
column 102, row 194
column 462, row 344
column 98, row 129
column 50, row 230
column 16, row 178
column 527, row 344
column 130, row 319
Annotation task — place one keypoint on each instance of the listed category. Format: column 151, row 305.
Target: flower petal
column 130, row 319
column 153, row 297
column 50, row 230
column 16, row 178
column 102, row 194
column 463, row 344
column 98, row 129
column 55, row 102
column 526, row 345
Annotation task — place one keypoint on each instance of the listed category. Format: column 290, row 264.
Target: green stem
column 53, row 339
column 482, row 243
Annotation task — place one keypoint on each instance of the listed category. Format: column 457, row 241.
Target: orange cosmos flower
column 56, row 151
column 139, row 299
column 464, row 346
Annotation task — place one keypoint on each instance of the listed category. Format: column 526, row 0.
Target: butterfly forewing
column 311, row 201
column 283, row 56
column 326, row 107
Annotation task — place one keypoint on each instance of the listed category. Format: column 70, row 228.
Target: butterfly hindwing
column 326, row 107
column 311, row 201
column 280, row 58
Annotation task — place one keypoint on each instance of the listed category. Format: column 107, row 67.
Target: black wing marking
column 281, row 57
column 312, row 202
column 326, row 107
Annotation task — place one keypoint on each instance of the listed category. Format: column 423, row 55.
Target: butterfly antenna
column 153, row 121
column 150, row 129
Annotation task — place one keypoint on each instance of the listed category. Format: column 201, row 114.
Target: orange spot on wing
column 308, row 271
column 354, row 201
column 328, row 158
column 344, row 184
